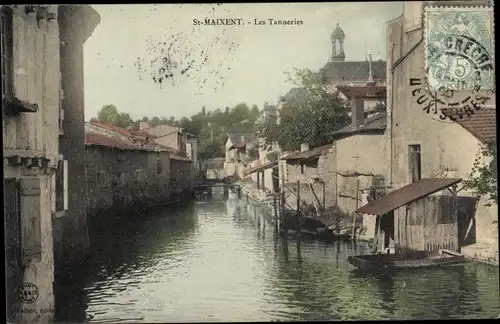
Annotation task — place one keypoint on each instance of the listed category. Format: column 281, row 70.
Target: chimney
column 357, row 112
column 304, row 147
column 143, row 125
column 370, row 72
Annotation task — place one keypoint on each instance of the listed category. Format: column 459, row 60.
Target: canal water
column 221, row 261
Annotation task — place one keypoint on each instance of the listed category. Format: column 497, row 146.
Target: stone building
column 241, row 150
column 125, row 171
column 167, row 135
column 424, row 143
column 310, row 169
column 32, row 66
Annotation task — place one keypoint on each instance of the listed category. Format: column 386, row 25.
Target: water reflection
column 223, row 261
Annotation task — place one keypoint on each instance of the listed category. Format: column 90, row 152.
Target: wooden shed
column 416, row 220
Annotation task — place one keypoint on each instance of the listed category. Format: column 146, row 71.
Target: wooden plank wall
column 427, row 225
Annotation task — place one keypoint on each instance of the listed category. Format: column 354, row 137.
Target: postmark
column 459, row 48
column 28, row 293
column 443, row 105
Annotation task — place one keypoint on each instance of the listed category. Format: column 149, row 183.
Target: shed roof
column 482, row 124
column 337, row 72
column 238, row 146
column 406, row 195
column 260, row 167
column 374, row 91
column 377, row 122
column 311, row 154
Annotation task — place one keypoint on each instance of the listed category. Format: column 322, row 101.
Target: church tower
column 338, row 37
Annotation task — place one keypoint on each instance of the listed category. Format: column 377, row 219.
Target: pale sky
column 243, row 63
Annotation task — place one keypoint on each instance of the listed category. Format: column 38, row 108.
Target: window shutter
column 31, row 238
column 12, row 232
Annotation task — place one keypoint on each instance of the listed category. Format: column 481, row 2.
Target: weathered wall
column 444, row 144
column 34, row 135
column 312, row 169
column 123, row 179
column 362, row 153
column 181, row 177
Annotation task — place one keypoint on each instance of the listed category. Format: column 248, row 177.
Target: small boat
column 390, row 262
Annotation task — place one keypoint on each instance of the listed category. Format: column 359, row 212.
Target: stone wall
column 181, row 177
column 119, row 179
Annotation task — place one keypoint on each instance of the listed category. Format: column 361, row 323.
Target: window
column 302, row 168
column 7, row 41
column 138, row 175
column 62, row 186
column 159, row 164
column 415, row 163
column 123, row 178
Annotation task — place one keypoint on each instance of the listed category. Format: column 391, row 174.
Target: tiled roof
column 377, row 122
column 239, row 146
column 94, row 139
column 482, row 125
column 336, row 72
column 311, row 154
column 121, row 130
column 120, row 138
column 366, row 91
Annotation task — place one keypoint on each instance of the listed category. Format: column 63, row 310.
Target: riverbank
column 481, row 253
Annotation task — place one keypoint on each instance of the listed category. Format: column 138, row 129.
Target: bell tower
column 338, row 37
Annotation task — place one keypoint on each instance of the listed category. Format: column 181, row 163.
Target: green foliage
column 482, row 180
column 311, row 119
column 272, row 156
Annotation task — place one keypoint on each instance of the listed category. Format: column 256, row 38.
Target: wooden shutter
column 31, row 236
column 12, row 226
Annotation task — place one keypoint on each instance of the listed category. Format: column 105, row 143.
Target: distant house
column 241, row 150
column 170, row 136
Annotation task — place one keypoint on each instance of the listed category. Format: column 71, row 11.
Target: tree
column 311, row 119
column 108, row 115
column 155, row 121
column 482, row 180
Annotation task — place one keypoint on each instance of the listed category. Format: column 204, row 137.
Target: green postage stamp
column 459, row 48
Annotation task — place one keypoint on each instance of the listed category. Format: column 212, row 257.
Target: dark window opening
column 302, row 168
column 415, row 162
column 159, row 164
column 60, row 186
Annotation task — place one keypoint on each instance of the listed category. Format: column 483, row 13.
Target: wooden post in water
column 324, row 195
column 282, row 218
column 276, row 218
column 297, row 216
column 355, row 213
